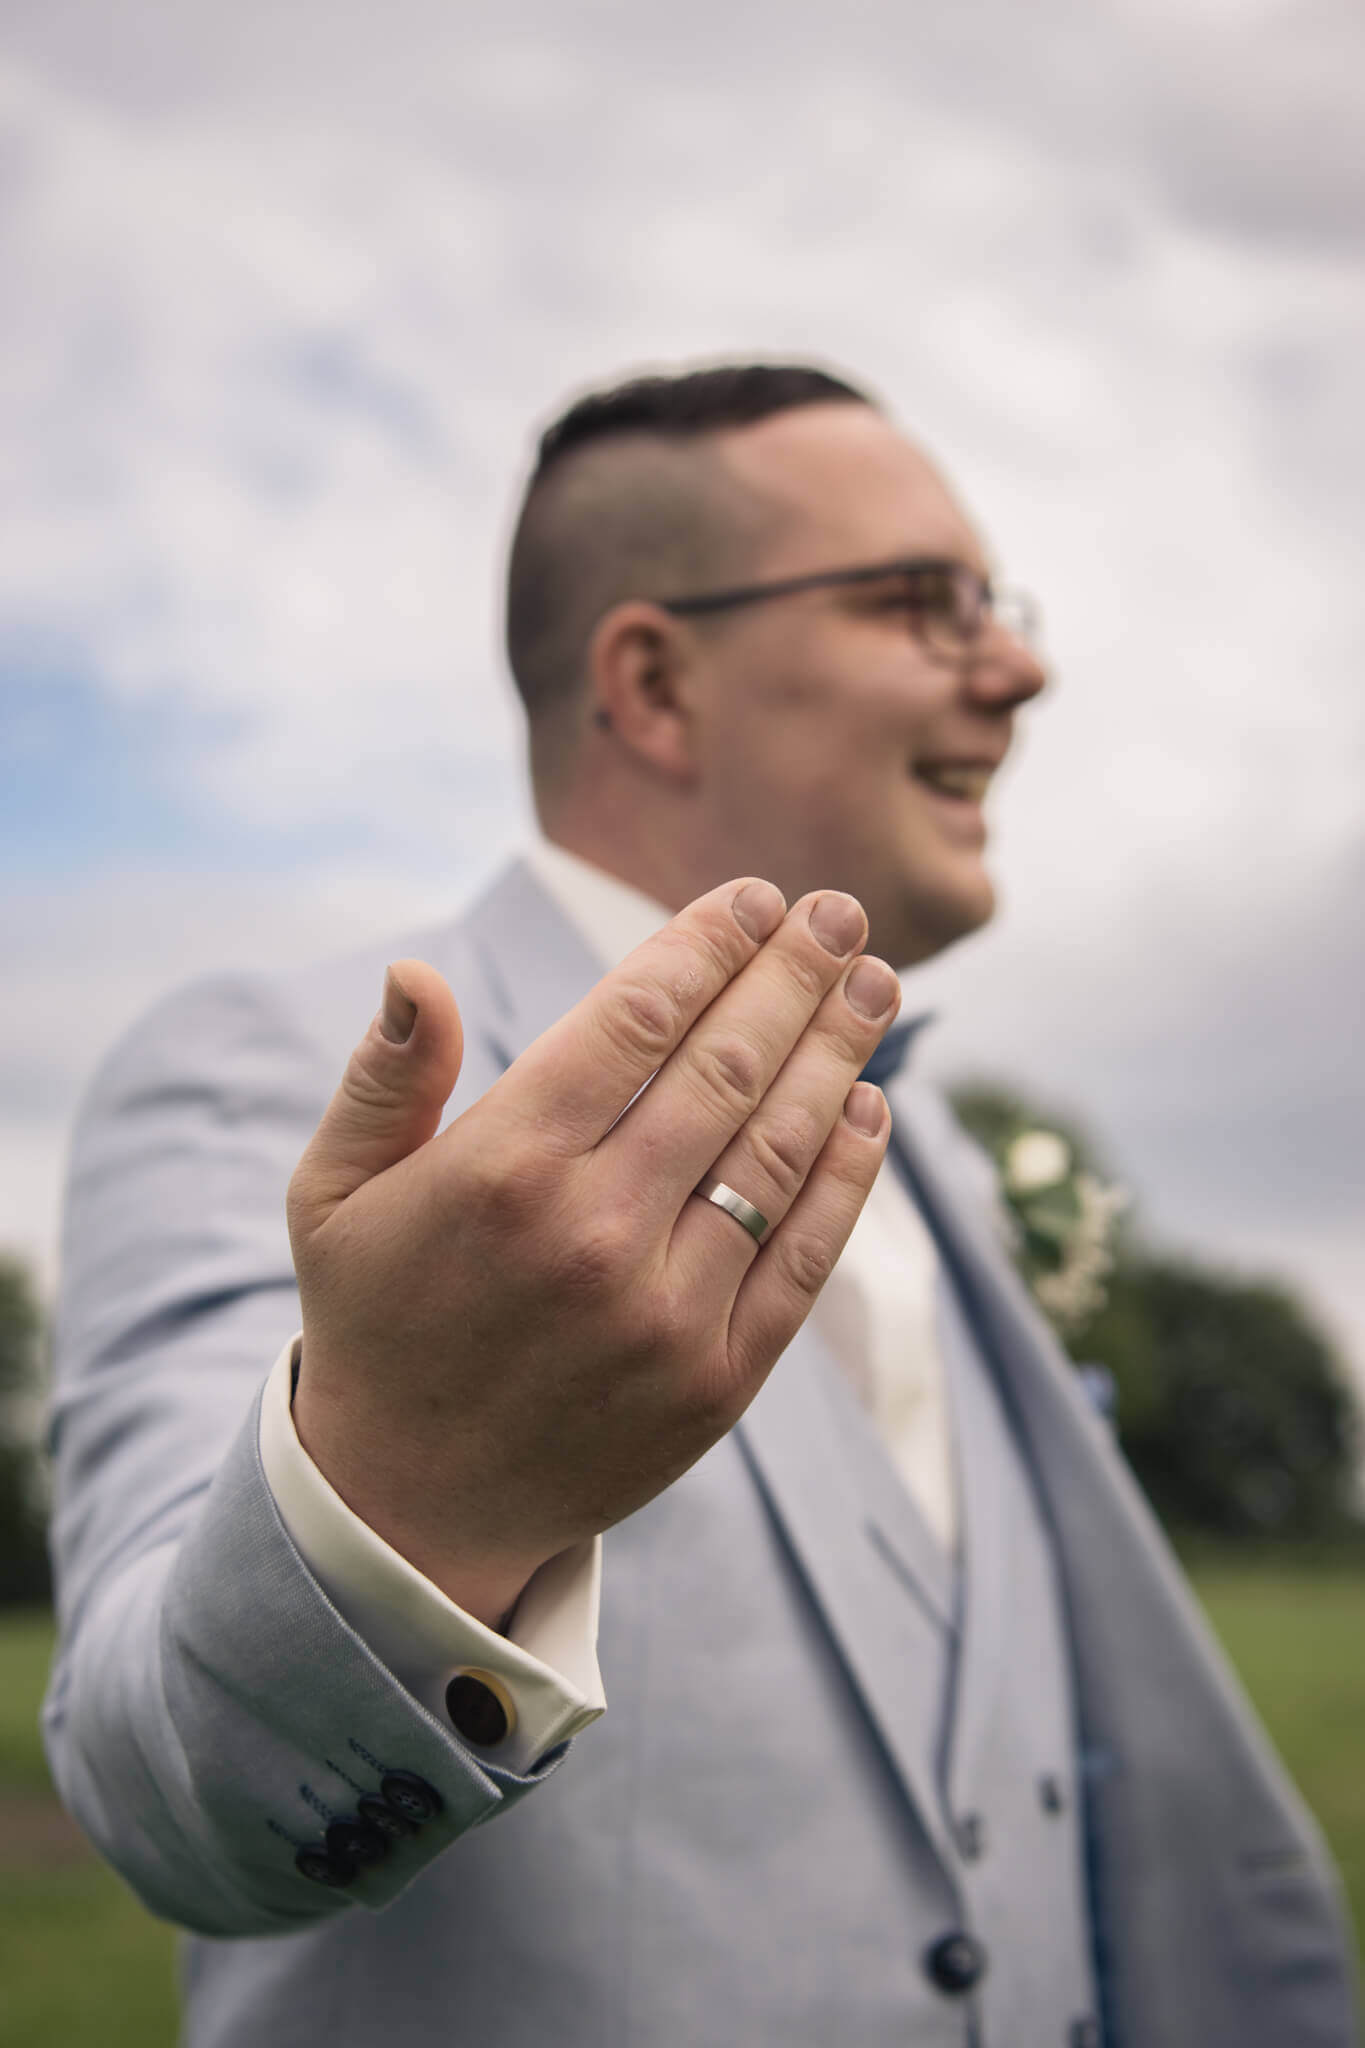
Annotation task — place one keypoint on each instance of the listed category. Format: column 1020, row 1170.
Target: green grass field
column 82, row 1966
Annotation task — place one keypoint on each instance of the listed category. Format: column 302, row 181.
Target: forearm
column 204, row 1678
column 212, row 1712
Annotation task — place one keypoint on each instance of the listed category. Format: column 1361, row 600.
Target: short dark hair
column 621, row 503
column 693, row 402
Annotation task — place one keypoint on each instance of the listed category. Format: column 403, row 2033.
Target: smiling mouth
column 966, row 782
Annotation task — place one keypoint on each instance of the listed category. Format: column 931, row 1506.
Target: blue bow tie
column 890, row 1056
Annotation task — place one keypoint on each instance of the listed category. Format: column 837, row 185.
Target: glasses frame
column 1012, row 608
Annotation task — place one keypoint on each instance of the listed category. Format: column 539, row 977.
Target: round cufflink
column 480, row 1708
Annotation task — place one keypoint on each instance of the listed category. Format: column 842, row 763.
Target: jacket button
column 389, row 1822
column 318, row 1863
column 483, row 1715
column 971, row 1837
column 956, row 1962
column 1084, row 2034
column 1050, row 1795
column 411, row 1796
column 355, row 1841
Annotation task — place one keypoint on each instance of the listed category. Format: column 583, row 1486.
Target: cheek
column 803, row 727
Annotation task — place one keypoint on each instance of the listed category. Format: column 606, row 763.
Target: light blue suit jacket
column 747, row 1848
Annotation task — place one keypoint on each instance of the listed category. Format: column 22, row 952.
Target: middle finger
column 769, row 1159
column 710, row 1086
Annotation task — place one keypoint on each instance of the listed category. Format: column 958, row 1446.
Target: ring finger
column 767, row 1161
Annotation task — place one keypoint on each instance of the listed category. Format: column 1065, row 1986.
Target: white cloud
column 82, row 964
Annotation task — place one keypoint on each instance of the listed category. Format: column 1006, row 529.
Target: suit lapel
column 827, row 1480
column 985, row 1572
column 535, row 963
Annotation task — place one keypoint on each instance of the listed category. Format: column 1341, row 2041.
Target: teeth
column 968, row 782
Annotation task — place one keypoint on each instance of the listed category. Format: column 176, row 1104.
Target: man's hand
column 519, row 1331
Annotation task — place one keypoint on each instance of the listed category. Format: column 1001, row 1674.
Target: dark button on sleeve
column 956, row 1962
column 375, row 1810
column 478, row 1712
column 318, row 1862
column 411, row 1796
column 356, row 1841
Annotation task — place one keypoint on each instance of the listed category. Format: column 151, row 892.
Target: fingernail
column 865, row 1108
column 838, row 923
column 759, row 909
column 397, row 1011
column 871, row 987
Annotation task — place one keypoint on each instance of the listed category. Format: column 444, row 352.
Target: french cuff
column 512, row 1697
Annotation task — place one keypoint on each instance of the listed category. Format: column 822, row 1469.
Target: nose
column 1002, row 670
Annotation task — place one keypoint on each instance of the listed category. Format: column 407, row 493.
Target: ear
column 642, row 664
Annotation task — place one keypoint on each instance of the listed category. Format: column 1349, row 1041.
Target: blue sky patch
column 87, row 779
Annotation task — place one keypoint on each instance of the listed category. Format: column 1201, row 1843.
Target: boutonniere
column 1065, row 1223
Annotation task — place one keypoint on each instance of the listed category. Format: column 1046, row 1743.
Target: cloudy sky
column 286, row 290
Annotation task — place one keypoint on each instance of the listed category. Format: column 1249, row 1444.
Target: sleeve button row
column 403, row 1803
column 411, row 1796
column 355, row 1841
column 389, row 1822
column 317, row 1862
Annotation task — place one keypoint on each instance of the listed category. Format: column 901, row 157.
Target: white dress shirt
column 876, row 1314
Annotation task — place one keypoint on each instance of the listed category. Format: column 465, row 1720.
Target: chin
column 927, row 921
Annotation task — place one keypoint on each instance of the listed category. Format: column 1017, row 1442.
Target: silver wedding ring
column 754, row 1221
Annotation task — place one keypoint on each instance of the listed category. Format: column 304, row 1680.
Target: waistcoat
column 992, row 1715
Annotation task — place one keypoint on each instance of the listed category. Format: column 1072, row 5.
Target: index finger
column 576, row 1078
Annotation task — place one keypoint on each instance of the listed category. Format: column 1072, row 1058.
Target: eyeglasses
column 948, row 605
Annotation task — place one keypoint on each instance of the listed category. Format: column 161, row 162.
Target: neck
column 654, row 847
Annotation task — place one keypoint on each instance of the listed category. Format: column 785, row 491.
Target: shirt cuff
column 544, row 1669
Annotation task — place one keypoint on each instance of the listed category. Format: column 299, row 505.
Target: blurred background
column 286, row 293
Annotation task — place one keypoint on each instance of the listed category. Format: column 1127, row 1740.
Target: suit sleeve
column 542, row 1668
column 211, row 1714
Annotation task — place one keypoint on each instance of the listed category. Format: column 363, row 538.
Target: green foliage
column 1064, row 1217
column 1231, row 1407
column 995, row 1115
column 21, row 1325
column 23, row 1555
column 1296, row 1636
column 81, row 1964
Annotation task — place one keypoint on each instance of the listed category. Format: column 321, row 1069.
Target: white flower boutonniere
column 1065, row 1222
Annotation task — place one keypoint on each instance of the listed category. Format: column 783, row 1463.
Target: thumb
column 396, row 1084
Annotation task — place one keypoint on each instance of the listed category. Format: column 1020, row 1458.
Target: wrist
column 374, row 1480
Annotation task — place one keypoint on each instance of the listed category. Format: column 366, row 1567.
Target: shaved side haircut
column 630, row 498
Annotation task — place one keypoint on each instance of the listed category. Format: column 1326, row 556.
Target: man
column 914, row 1733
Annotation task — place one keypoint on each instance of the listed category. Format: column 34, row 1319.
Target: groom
column 914, row 1733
